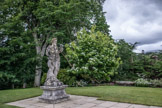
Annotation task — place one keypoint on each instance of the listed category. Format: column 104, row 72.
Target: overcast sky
column 136, row 21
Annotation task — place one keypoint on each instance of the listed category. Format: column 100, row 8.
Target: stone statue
column 53, row 89
column 53, row 63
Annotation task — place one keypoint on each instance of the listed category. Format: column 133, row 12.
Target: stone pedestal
column 53, row 94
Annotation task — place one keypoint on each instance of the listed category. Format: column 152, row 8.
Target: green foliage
column 142, row 82
column 148, row 66
column 136, row 66
column 156, row 82
column 27, row 24
column 66, row 78
column 93, row 56
column 126, row 54
column 17, row 54
column 81, row 83
column 7, row 79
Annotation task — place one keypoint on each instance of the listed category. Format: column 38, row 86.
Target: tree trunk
column 38, row 72
column 40, row 49
column 24, row 85
column 13, row 86
column 38, row 69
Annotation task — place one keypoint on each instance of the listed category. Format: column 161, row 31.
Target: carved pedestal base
column 53, row 94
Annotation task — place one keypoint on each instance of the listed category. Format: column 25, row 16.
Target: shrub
column 156, row 82
column 66, row 78
column 81, row 83
column 7, row 80
column 142, row 82
column 93, row 56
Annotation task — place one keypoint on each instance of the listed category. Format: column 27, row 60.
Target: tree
column 45, row 19
column 17, row 56
column 126, row 54
column 148, row 65
column 93, row 56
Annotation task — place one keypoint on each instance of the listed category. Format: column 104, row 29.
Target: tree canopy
column 41, row 20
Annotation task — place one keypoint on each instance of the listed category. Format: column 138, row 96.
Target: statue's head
column 54, row 40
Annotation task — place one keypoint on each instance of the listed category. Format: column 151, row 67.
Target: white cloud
column 149, row 47
column 135, row 21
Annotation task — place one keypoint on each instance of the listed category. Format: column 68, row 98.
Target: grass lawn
column 138, row 95
column 17, row 94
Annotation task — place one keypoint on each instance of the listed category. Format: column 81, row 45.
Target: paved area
column 76, row 102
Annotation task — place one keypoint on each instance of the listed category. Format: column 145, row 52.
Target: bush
column 81, row 83
column 156, row 83
column 142, row 82
column 7, row 80
column 66, row 78
column 63, row 76
column 93, row 56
